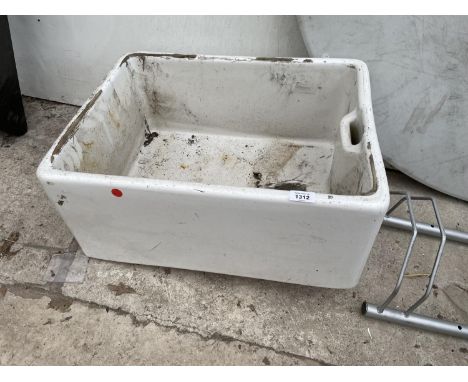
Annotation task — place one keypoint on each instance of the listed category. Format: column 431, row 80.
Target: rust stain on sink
column 73, row 127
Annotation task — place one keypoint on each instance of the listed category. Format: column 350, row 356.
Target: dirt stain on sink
column 288, row 186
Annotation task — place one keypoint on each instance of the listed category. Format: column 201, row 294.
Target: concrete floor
column 131, row 314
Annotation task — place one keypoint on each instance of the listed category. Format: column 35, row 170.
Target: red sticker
column 116, row 192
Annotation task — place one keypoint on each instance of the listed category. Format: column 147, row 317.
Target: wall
column 64, row 58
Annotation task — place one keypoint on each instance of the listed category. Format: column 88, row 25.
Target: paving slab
column 24, row 265
column 38, row 333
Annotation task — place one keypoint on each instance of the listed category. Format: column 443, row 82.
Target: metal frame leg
column 425, row 229
column 408, row 317
column 409, row 251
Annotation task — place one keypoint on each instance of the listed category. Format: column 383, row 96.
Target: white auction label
column 301, row 196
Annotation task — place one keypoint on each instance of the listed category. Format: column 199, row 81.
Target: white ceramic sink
column 259, row 167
